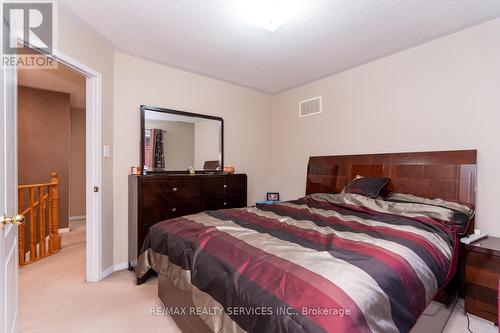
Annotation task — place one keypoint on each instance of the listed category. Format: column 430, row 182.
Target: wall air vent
column 310, row 107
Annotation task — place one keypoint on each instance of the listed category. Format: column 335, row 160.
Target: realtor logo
column 28, row 34
column 30, row 22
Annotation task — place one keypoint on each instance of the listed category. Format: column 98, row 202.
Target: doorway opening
column 51, row 167
column 94, row 271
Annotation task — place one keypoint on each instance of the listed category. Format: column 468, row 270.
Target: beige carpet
column 55, row 298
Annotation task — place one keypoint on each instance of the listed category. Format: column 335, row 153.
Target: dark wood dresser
column 482, row 273
column 158, row 197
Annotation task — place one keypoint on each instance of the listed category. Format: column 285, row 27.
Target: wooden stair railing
column 39, row 203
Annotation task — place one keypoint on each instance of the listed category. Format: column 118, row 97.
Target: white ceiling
column 211, row 37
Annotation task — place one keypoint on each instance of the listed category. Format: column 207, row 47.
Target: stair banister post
column 54, row 238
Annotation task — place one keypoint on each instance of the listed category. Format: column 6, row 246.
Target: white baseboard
column 105, row 273
column 114, row 268
column 77, row 218
column 63, row 230
column 120, row 266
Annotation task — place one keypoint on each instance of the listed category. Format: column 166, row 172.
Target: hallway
column 54, row 297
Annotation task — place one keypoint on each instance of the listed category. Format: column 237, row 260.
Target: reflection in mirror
column 175, row 142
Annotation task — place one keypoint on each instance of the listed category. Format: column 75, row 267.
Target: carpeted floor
column 55, row 298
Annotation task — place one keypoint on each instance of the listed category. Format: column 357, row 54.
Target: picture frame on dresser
column 273, row 196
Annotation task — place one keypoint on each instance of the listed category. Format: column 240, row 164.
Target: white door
column 8, row 198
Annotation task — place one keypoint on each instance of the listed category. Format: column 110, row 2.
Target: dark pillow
column 370, row 187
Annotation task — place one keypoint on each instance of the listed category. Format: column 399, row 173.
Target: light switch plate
column 106, row 151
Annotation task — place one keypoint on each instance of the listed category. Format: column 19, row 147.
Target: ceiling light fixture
column 269, row 14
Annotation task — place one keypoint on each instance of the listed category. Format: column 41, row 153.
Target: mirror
column 173, row 141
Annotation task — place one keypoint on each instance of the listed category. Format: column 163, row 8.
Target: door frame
column 93, row 165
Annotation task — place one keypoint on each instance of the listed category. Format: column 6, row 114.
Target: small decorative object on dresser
column 135, row 170
column 482, row 273
column 229, row 169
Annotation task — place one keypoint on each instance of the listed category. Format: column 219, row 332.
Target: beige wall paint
column 77, row 176
column 246, row 122
column 206, row 142
column 178, row 143
column 44, row 141
column 62, row 79
column 441, row 95
column 79, row 41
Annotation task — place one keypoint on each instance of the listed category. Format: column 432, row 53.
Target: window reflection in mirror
column 175, row 142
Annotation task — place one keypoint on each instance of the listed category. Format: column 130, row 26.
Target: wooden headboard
column 439, row 174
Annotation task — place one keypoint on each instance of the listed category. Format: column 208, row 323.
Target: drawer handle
column 225, row 186
column 174, row 209
column 225, row 203
column 175, row 189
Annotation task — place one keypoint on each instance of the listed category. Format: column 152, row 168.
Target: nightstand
column 482, row 273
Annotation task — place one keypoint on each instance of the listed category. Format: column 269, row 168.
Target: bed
column 326, row 262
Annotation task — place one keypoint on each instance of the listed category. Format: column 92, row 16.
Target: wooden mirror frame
column 145, row 108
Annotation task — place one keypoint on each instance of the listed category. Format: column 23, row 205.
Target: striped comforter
column 323, row 263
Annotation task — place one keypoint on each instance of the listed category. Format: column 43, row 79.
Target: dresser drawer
column 212, row 186
column 153, row 212
column 482, row 273
column 160, row 190
column 235, row 185
column 482, row 302
column 214, row 202
column 482, row 269
column 227, row 185
column 235, row 201
column 224, row 201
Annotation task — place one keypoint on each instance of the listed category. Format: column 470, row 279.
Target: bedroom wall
column 178, row 143
column 206, row 142
column 441, row 95
column 79, row 41
column 246, row 116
